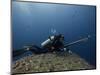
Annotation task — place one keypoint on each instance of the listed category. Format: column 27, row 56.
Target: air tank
column 47, row 42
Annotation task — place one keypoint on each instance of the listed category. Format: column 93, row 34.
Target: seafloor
column 50, row 62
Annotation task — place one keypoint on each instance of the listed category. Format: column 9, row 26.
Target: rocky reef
column 49, row 62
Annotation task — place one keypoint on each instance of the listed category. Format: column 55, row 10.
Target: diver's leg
column 37, row 49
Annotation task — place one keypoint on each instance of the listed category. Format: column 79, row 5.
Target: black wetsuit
column 57, row 43
column 38, row 50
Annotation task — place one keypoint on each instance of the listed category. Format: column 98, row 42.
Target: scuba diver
column 53, row 43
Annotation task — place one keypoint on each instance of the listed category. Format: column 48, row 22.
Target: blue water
column 32, row 23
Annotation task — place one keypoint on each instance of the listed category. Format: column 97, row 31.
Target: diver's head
column 61, row 37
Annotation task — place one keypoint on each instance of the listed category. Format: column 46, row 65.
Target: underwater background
column 33, row 23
